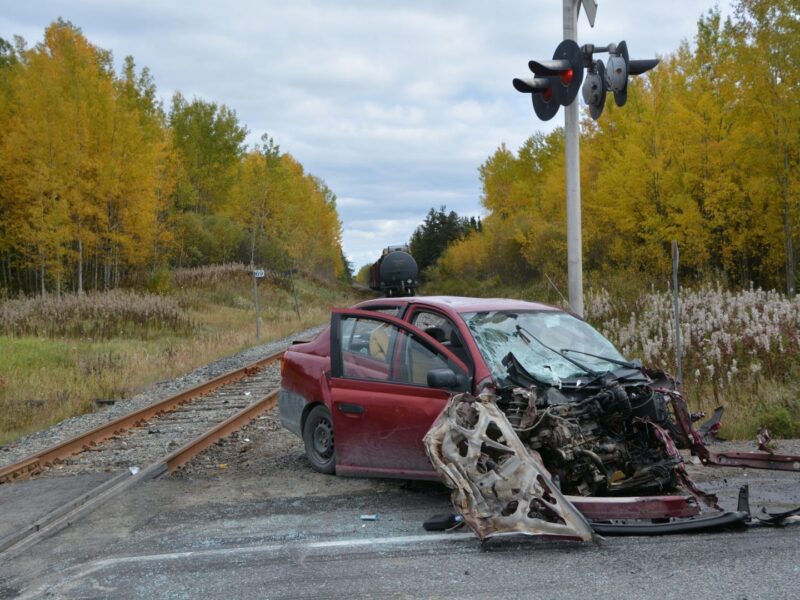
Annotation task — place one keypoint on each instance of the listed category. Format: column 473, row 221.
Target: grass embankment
column 57, row 356
column 741, row 349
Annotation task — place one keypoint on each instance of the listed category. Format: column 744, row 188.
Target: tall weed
column 739, row 348
column 96, row 315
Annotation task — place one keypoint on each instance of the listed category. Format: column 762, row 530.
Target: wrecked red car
column 534, row 419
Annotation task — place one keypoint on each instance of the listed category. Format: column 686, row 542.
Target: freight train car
column 394, row 273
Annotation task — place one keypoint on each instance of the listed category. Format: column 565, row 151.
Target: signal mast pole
column 555, row 84
column 572, row 140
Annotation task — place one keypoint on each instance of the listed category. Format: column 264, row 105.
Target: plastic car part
column 499, row 486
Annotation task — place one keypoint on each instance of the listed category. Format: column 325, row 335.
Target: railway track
column 147, row 443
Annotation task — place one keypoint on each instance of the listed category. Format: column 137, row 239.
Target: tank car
column 395, row 272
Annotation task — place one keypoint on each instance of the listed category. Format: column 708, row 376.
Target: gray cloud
column 395, row 105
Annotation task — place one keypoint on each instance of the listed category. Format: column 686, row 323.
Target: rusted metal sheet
column 753, row 460
column 693, row 440
column 499, row 486
column 33, row 464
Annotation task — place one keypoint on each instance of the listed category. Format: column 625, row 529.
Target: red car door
column 381, row 402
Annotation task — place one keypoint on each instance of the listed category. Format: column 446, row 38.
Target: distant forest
column 706, row 152
column 101, row 185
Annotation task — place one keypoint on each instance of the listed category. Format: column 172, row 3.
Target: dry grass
column 44, row 379
column 740, row 349
column 96, row 315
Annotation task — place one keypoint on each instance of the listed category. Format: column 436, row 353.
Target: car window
column 424, row 319
column 380, row 351
column 444, row 331
column 367, row 337
column 420, row 359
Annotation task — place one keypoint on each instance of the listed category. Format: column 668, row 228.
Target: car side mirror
column 442, row 378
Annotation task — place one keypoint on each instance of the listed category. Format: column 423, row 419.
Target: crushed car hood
column 499, row 486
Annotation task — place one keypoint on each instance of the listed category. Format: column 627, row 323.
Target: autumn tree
column 210, row 141
column 99, row 187
column 704, row 152
column 768, row 56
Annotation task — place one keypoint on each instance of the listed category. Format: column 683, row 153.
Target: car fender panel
column 291, row 405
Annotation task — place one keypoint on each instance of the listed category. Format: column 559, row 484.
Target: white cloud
column 352, row 202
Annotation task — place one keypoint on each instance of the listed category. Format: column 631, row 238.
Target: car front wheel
column 318, row 440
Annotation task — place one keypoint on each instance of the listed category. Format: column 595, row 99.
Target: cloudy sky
column 394, row 104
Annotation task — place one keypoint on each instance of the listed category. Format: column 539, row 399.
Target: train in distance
column 395, row 272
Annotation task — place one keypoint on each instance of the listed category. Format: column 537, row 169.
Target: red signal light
column 566, row 76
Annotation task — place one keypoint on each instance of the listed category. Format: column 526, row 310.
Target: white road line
column 81, row 571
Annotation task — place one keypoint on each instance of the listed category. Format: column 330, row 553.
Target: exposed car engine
column 600, row 442
column 513, row 456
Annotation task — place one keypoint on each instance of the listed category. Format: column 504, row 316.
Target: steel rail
column 34, row 463
column 65, row 515
column 184, row 454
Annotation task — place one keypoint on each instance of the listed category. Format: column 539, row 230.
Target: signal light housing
column 557, row 81
column 595, row 87
column 541, row 91
column 565, row 71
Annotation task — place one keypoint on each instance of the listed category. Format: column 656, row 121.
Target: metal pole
column 255, row 301
column 571, row 131
column 677, row 303
column 294, row 293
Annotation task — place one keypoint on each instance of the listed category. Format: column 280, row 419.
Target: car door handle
column 351, row 408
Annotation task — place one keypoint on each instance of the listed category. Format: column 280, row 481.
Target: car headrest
column 455, row 340
column 436, row 333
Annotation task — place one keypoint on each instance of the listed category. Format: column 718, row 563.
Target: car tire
column 318, row 440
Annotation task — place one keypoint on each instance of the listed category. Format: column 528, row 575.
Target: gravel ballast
column 36, row 442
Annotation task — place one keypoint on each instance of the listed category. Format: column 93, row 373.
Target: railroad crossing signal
column 619, row 67
column 556, row 81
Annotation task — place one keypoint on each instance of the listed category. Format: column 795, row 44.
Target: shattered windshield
column 529, row 333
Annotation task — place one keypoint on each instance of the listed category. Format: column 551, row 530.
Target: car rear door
column 381, row 403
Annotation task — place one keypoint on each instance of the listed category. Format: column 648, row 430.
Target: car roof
column 460, row 304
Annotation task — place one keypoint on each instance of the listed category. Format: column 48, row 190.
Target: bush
column 781, row 421
column 100, row 315
column 160, row 281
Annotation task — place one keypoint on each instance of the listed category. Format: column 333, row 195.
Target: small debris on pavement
column 369, row 517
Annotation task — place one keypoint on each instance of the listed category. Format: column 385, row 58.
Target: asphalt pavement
column 239, row 535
